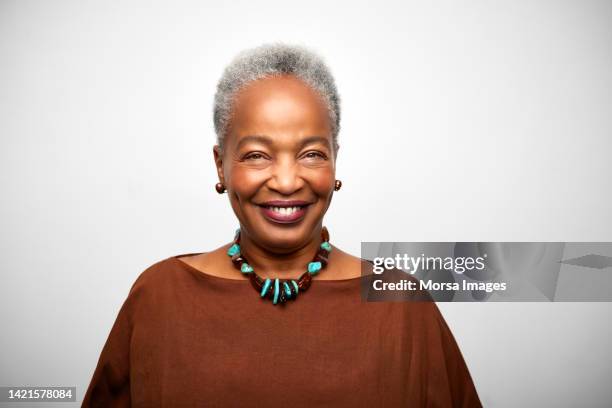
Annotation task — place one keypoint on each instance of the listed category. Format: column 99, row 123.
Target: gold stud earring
column 220, row 188
column 337, row 185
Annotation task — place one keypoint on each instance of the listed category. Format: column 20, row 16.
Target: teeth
column 284, row 210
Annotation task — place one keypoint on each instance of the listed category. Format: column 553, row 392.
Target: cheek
column 322, row 182
column 246, row 182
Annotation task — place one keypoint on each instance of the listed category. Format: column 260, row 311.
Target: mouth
column 284, row 212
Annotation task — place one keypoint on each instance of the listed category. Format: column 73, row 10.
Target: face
column 277, row 162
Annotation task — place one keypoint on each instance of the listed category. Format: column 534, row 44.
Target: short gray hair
column 270, row 60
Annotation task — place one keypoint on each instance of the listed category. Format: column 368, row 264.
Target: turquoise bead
column 233, row 250
column 276, row 291
column 295, row 285
column 326, row 246
column 314, row 267
column 287, row 289
column 265, row 287
column 246, row 268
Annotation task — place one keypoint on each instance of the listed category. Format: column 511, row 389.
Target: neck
column 269, row 263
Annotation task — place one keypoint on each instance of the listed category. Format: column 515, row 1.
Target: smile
column 284, row 212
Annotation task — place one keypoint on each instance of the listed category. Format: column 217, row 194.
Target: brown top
column 186, row 338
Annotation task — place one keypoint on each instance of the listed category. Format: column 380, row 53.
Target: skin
column 278, row 147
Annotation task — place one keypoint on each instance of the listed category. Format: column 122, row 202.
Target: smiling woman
column 192, row 331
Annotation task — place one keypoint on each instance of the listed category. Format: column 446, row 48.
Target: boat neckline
column 204, row 274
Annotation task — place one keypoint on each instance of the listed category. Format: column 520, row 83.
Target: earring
column 337, row 185
column 220, row 188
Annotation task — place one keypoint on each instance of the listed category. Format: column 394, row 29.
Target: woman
column 275, row 317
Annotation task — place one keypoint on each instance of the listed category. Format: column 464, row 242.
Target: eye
column 314, row 154
column 254, row 156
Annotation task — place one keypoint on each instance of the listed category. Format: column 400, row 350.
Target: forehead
column 280, row 106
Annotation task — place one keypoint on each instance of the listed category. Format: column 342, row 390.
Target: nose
column 285, row 177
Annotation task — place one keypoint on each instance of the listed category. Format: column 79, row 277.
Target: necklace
column 281, row 290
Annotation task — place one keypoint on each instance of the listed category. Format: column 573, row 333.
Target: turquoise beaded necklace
column 281, row 290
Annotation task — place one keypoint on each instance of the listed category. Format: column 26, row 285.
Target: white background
column 461, row 121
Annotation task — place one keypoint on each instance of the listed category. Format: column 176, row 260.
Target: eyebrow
column 254, row 139
column 268, row 141
column 315, row 139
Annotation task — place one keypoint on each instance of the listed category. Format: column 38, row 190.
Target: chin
column 284, row 236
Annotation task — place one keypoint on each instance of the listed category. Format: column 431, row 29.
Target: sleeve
column 110, row 383
column 455, row 378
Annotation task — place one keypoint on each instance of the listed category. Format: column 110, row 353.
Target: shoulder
column 179, row 269
column 157, row 275
column 146, row 289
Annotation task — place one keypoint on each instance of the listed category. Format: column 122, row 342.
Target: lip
column 285, row 203
column 280, row 218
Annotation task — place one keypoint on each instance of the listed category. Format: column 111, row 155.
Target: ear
column 218, row 155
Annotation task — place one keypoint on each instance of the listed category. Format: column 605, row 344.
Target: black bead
column 238, row 260
column 325, row 234
column 322, row 257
